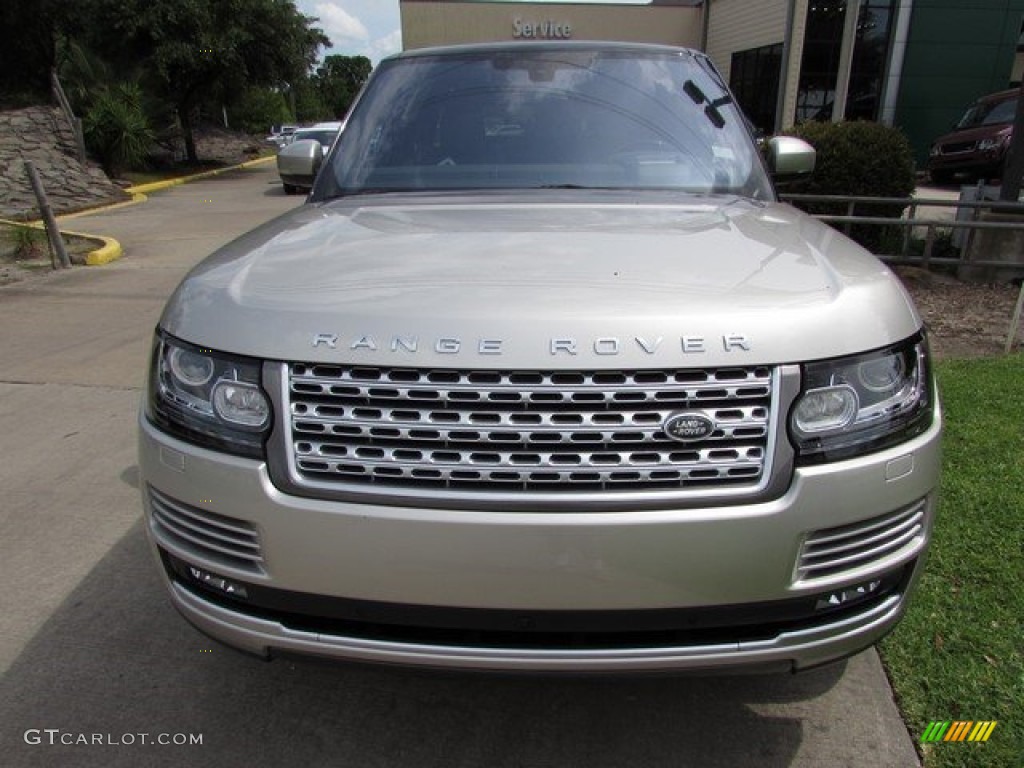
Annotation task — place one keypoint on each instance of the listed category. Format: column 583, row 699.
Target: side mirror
column 789, row 156
column 299, row 162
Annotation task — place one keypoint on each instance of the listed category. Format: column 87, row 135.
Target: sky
column 368, row 28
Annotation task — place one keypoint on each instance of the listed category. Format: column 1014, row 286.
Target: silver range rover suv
column 543, row 377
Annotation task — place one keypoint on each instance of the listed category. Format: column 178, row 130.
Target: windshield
column 989, row 113
column 618, row 118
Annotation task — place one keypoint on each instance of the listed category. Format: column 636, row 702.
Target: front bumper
column 622, row 590
column 977, row 161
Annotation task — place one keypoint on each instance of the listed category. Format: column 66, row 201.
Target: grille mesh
column 212, row 536
column 834, row 551
column 550, row 431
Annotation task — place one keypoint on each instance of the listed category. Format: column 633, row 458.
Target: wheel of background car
column 289, row 189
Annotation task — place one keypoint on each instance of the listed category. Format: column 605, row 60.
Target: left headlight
column 855, row 405
column 208, row 398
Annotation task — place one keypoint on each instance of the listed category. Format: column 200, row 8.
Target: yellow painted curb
column 155, row 186
column 111, row 250
column 108, row 251
column 136, row 198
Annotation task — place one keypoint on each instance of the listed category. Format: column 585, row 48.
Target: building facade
column 916, row 64
column 427, row 23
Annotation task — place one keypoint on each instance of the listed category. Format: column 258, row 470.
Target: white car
column 280, row 135
column 290, row 157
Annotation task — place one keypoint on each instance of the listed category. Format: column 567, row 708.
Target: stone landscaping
column 44, row 136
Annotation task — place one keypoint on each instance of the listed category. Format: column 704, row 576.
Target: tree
column 191, row 49
column 258, row 108
column 309, row 104
column 339, row 79
column 28, row 52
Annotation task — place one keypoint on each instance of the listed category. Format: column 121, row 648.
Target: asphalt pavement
column 96, row 668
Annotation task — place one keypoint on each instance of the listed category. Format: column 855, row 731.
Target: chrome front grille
column 550, row 431
column 836, row 551
column 199, row 531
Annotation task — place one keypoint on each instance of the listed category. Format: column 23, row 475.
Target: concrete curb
column 111, row 250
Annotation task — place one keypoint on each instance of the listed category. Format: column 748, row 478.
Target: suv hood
column 587, row 279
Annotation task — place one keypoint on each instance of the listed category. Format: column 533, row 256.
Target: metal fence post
column 929, row 243
column 908, row 231
column 56, row 242
column 1011, row 337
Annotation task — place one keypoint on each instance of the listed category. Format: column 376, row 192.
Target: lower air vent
column 836, row 551
column 208, row 535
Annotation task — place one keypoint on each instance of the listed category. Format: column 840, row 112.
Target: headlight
column 208, row 398
column 860, row 404
column 987, row 144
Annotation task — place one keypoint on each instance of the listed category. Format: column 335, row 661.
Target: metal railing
column 966, row 220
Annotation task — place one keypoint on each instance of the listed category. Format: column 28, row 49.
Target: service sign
column 540, row 30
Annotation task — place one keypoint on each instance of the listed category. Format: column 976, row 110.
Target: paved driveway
column 92, row 654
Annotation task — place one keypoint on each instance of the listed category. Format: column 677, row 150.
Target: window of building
column 870, row 55
column 754, row 77
column 819, row 65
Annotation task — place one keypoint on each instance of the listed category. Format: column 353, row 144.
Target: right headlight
column 854, row 405
column 208, row 398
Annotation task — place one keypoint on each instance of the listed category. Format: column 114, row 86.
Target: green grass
column 959, row 652
column 21, row 242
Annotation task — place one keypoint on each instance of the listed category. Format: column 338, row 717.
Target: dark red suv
column 978, row 143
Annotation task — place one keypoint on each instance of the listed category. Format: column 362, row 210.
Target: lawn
column 959, row 652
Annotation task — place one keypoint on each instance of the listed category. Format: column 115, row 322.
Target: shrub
column 27, row 242
column 256, row 109
column 857, row 159
column 117, row 130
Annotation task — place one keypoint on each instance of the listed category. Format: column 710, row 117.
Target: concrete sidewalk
column 88, row 643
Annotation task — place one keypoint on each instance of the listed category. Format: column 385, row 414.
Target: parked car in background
column 280, row 135
column 979, row 141
column 289, row 160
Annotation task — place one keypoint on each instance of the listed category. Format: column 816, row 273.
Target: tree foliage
column 259, row 108
column 117, row 130
column 170, row 60
column 339, row 79
column 191, row 49
column 28, row 51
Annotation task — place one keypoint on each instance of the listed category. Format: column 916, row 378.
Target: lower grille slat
column 836, row 551
column 212, row 536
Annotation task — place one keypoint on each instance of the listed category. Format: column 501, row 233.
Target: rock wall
column 43, row 135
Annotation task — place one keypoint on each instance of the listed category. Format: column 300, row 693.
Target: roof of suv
column 603, row 45
column 1000, row 95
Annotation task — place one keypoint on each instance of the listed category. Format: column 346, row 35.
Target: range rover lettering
column 542, row 376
